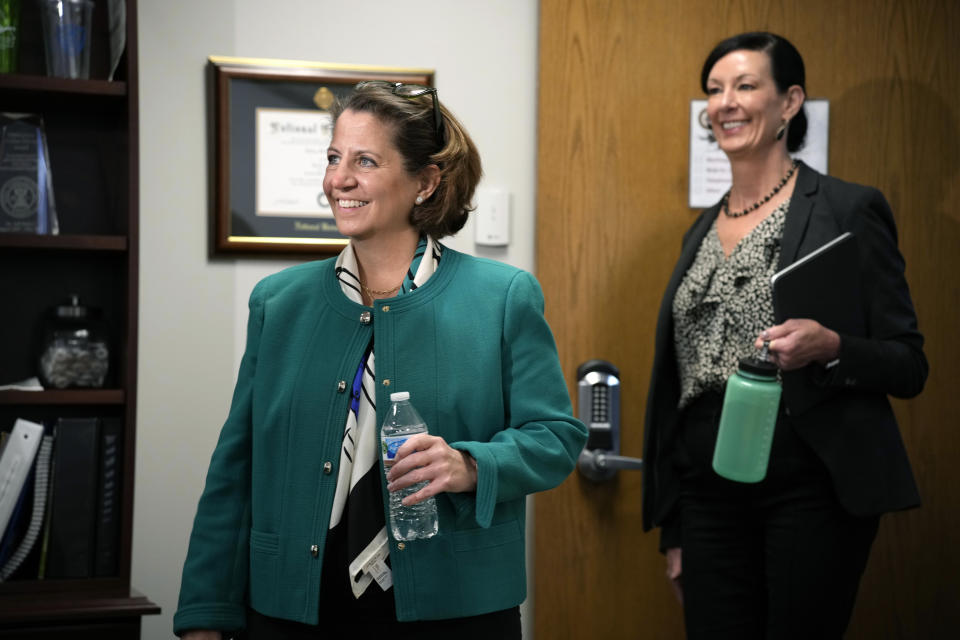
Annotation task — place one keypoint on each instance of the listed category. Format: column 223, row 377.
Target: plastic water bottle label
column 389, row 446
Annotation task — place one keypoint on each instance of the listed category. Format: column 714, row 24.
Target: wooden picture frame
column 271, row 129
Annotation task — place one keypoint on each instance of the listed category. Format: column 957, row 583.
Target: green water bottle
column 749, row 415
column 9, row 34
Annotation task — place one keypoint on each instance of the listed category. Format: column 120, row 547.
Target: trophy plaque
column 26, row 189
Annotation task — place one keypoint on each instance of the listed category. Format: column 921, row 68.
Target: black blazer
column 850, row 424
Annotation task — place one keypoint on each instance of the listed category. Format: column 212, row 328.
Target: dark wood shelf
column 46, row 84
column 69, row 242
column 64, row 397
column 53, row 606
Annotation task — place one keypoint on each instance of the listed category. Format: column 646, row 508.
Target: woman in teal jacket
column 294, row 502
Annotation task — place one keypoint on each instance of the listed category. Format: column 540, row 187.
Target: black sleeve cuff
column 670, row 534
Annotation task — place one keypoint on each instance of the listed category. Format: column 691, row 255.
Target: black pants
column 774, row 560
column 497, row 625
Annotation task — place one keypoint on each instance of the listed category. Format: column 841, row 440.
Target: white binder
column 15, row 463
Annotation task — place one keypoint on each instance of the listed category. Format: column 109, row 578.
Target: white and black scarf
column 358, row 480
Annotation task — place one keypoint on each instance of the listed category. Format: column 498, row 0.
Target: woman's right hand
column 426, row 458
column 202, row 635
column 798, row 342
column 675, row 571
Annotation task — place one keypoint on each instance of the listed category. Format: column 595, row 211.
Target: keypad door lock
column 598, row 404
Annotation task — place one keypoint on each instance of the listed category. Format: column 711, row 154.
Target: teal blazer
column 473, row 349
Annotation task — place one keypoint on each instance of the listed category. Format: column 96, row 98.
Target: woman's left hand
column 429, row 458
column 798, row 342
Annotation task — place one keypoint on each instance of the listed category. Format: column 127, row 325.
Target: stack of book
column 60, row 499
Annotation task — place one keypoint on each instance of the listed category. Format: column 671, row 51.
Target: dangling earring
column 781, row 130
column 419, row 199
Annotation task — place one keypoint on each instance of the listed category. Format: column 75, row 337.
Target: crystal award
column 26, row 189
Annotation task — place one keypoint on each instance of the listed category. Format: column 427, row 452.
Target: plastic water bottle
column 402, row 422
column 747, row 421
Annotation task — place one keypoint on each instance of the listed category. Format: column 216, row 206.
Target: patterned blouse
column 722, row 305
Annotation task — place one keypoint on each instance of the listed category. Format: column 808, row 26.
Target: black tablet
column 823, row 285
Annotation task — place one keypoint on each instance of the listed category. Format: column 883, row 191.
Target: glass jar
column 74, row 351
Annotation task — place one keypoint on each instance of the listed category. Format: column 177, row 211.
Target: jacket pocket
column 264, row 566
column 495, row 536
column 489, row 567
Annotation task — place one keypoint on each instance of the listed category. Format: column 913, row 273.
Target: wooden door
column 616, row 78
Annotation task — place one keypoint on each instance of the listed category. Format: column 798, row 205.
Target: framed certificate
column 272, row 129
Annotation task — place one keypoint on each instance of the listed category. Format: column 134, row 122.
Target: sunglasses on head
column 412, row 91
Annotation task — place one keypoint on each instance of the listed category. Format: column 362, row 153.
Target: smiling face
column 366, row 183
column 744, row 105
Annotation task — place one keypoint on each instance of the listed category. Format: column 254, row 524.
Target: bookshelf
column 92, row 136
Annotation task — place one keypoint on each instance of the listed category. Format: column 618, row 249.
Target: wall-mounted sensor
column 492, row 217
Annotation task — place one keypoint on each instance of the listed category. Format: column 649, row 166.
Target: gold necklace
column 374, row 292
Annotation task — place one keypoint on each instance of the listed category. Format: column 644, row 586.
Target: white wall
column 193, row 308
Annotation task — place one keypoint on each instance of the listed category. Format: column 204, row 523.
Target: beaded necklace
column 725, row 203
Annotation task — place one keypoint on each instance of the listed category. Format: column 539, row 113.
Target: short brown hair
column 414, row 136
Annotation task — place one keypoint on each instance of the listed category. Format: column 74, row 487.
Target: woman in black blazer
column 781, row 558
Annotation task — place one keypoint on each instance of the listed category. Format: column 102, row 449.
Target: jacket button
column 401, row 546
column 386, row 382
column 314, row 550
column 365, row 317
column 327, row 467
column 341, row 386
column 385, row 308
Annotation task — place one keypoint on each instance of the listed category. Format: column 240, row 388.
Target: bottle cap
column 758, row 367
column 397, row 396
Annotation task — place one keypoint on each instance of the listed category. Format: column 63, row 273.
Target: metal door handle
column 598, row 465
column 605, row 461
